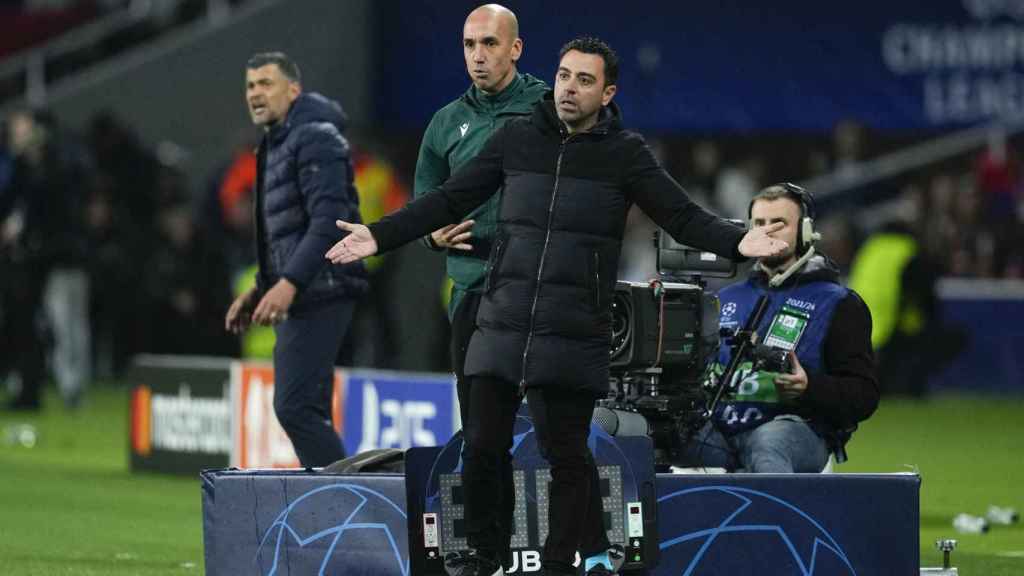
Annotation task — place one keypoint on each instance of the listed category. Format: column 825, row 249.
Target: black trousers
column 562, row 424
column 307, row 343
column 561, row 421
column 22, row 334
column 490, row 494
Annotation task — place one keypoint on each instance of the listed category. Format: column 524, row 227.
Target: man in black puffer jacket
column 569, row 173
column 304, row 180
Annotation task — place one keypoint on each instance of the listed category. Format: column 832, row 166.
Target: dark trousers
column 561, row 421
column 304, row 353
column 487, row 465
column 22, row 332
column 487, row 478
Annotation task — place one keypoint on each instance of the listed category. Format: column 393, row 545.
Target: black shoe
column 469, row 563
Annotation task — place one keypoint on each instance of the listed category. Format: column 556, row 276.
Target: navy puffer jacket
column 304, row 183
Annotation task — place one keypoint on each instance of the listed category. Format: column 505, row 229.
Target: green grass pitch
column 69, row 505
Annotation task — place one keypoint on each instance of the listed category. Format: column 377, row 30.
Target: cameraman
column 790, row 410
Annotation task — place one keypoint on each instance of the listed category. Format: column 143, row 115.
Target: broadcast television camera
column 664, row 334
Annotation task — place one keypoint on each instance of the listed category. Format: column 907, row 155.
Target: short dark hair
column 797, row 194
column 591, row 45
column 287, row 66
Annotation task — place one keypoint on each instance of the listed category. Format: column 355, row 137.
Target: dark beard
column 774, row 263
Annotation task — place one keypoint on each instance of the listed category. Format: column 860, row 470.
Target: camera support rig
column 742, row 343
column 663, row 333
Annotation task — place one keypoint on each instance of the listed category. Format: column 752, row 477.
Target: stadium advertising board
column 397, row 410
column 180, row 414
column 190, row 414
column 258, row 439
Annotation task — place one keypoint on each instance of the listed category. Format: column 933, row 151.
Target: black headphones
column 805, row 234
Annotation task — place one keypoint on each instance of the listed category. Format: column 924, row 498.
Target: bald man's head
column 505, row 17
column 491, row 46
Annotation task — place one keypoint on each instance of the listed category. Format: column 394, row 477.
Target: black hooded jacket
column 544, row 319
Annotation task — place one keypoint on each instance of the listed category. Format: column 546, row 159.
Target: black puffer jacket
column 304, row 182
column 545, row 316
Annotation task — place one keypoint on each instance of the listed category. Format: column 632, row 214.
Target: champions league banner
column 738, row 66
column 297, row 523
column 807, row 524
column 264, row 523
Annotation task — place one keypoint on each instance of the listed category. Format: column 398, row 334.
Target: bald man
column 491, row 47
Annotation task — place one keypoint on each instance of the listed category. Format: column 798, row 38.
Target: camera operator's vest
column 800, row 314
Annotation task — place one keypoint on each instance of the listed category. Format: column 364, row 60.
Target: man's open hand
column 357, row 245
column 757, row 243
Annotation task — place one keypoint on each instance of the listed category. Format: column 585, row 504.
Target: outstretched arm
column 665, row 201
column 468, row 188
column 358, row 244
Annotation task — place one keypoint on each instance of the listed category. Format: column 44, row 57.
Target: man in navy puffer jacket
column 304, row 180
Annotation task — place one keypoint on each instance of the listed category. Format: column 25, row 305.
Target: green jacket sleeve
column 472, row 185
column 432, row 168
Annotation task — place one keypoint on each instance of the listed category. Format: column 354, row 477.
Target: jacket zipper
column 540, row 267
column 597, row 280
column 493, row 264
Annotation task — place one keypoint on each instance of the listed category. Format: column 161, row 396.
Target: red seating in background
column 20, row 29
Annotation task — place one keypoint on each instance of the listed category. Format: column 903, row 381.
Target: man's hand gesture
column 274, row 305
column 357, row 245
column 757, row 243
column 239, row 314
column 454, row 236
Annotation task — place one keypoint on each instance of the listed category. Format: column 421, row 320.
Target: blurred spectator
column 737, row 185
column 187, row 288
column 44, row 236
column 974, row 239
column 234, row 198
column 934, row 218
column 121, row 219
column 998, row 180
column 896, row 277
column 848, row 145
column 371, row 342
column 705, row 160
column 838, row 240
